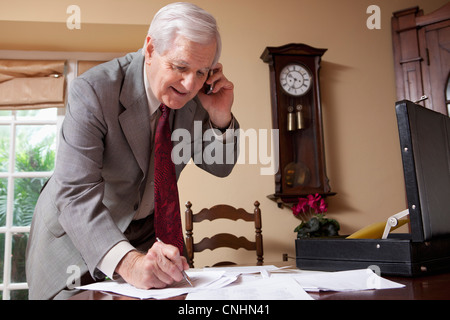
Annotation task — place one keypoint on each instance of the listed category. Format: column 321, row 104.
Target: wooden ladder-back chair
column 223, row 211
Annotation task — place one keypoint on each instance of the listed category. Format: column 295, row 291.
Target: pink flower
column 300, row 207
column 313, row 201
column 309, row 206
column 322, row 206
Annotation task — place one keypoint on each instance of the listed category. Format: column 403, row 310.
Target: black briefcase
column 425, row 148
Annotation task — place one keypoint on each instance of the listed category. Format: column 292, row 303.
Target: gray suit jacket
column 100, row 174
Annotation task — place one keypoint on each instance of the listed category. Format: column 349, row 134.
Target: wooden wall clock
column 297, row 114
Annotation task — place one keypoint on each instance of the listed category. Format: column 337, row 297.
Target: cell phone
column 209, row 87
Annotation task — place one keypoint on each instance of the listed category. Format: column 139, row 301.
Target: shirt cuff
column 223, row 135
column 112, row 258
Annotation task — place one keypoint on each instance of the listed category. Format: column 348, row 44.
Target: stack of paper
column 352, row 280
column 252, row 288
column 201, row 281
column 254, row 283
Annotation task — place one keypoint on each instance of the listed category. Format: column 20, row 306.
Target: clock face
column 295, row 79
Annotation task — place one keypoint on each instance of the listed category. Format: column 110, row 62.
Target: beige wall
column 357, row 80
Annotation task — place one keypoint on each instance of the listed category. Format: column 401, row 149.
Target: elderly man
column 114, row 186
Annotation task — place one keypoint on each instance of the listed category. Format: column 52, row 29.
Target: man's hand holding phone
column 219, row 99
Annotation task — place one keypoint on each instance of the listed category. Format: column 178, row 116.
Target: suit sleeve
column 78, row 174
column 219, row 152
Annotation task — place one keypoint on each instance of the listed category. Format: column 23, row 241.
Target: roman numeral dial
column 295, row 79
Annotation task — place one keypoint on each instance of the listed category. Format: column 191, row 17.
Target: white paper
column 352, row 280
column 264, row 271
column 200, row 280
column 253, row 288
column 254, row 283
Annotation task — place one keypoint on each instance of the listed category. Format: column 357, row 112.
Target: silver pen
column 186, row 277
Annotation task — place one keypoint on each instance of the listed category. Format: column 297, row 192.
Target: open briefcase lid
column 425, row 147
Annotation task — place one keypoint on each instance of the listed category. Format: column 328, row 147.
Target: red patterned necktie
column 167, row 206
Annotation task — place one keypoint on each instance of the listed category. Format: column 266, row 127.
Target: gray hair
column 187, row 20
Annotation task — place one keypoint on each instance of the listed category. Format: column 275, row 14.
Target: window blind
column 31, row 84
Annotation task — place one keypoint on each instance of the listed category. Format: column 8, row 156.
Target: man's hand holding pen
column 161, row 266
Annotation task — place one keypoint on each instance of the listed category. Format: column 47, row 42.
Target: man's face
column 176, row 76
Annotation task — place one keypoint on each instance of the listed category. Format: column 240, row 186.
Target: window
column 27, row 157
column 28, row 146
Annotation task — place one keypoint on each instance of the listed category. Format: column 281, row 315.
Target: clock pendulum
column 299, row 118
column 296, row 173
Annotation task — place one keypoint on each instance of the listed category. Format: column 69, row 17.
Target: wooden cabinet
column 421, row 46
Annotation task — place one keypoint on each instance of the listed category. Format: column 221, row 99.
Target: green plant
column 311, row 210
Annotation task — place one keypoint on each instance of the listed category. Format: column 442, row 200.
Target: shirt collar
column 153, row 103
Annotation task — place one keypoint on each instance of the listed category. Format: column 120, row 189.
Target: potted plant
column 311, row 211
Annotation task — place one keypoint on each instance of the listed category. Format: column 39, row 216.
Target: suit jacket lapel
column 135, row 121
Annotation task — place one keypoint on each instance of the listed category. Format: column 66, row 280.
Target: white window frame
column 71, row 71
